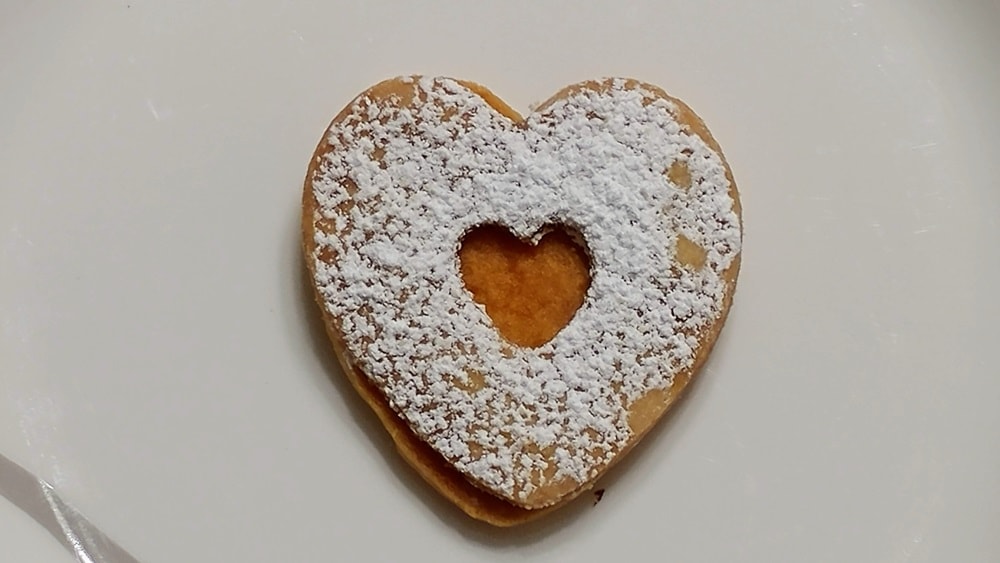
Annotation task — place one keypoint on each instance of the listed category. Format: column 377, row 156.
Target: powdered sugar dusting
column 399, row 189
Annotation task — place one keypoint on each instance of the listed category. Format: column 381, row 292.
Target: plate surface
column 162, row 364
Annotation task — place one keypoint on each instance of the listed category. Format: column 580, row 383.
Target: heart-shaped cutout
column 530, row 289
column 506, row 409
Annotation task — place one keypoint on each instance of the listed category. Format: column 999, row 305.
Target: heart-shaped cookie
column 509, row 428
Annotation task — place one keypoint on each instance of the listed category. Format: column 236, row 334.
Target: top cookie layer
column 410, row 170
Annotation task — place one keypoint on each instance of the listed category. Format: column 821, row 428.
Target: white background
column 162, row 365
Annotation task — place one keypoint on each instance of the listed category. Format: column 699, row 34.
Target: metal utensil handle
column 39, row 500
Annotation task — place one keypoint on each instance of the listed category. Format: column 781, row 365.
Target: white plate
column 161, row 363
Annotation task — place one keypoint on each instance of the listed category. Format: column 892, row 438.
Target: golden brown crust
column 444, row 478
column 530, row 291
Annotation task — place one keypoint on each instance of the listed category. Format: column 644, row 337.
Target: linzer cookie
column 519, row 299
